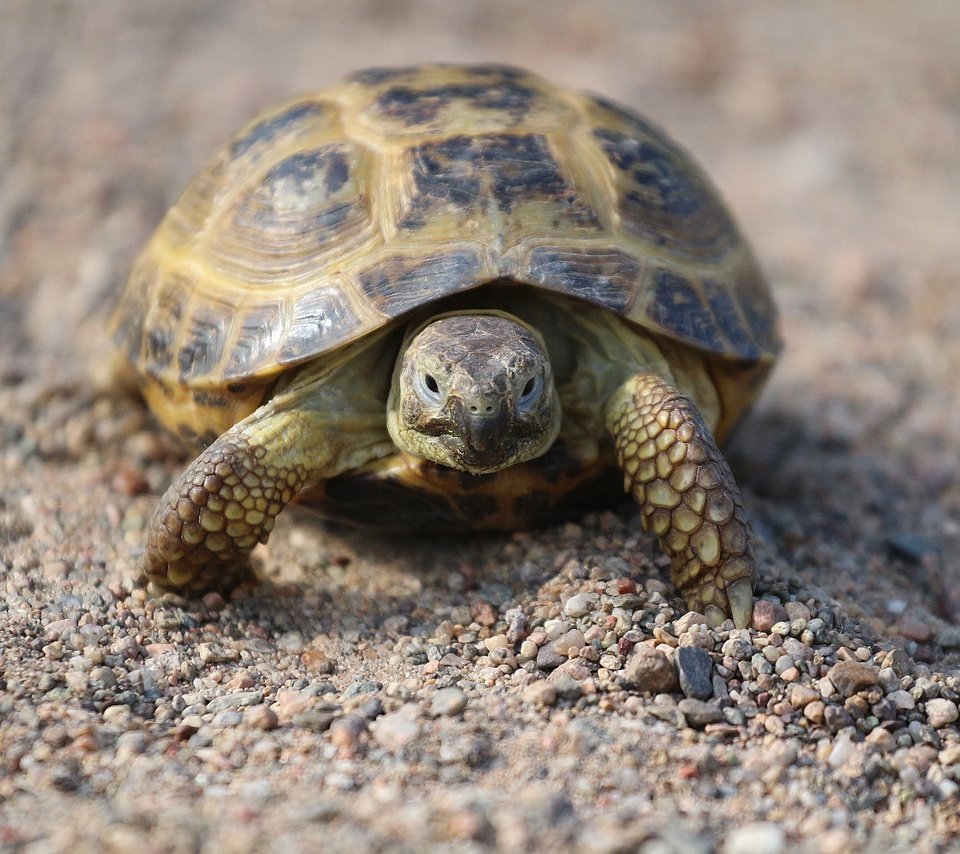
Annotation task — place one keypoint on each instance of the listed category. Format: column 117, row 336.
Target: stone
column 941, row 713
column 913, row 629
column 567, row 687
column 949, row 637
column 881, row 740
column 767, row 614
column 448, row 702
column 848, row 677
column 261, row 717
column 902, row 700
column 528, row 651
column 684, row 622
column 580, row 604
column 396, row 730
column 802, row 695
column 216, row 653
column 496, row 642
column 836, row 717
column 698, row 713
column 842, row 750
column 797, row 611
column 237, row 700
column 540, row 693
column 650, row 671
column 759, row 837
column 548, row 658
column 695, row 671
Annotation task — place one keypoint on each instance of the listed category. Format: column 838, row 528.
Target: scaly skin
column 687, row 495
column 227, row 499
column 225, row 503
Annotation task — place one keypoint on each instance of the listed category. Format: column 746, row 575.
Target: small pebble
column 567, row 687
column 261, row 717
column 396, row 730
column 766, row 614
column 540, row 693
column 881, row 739
column 848, row 677
column 684, row 622
column 695, row 671
column 448, row 702
column 901, row 700
column 941, row 713
column 650, row 671
column 698, row 713
column 914, row 629
column 759, row 837
column 216, row 653
column 234, row 701
column 528, row 651
column 842, row 750
column 580, row 604
column 797, row 611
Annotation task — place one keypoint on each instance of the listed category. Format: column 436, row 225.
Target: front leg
column 227, row 499
column 687, row 495
column 224, row 503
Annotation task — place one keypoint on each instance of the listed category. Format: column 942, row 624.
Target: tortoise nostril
column 474, row 409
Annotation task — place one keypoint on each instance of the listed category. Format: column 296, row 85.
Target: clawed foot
column 734, row 601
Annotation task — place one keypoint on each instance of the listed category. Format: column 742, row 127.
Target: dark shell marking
column 662, row 199
column 305, row 206
column 473, row 174
column 423, row 106
column 271, row 128
column 400, row 284
column 605, row 277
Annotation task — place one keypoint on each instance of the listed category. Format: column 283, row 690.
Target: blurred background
column 833, row 129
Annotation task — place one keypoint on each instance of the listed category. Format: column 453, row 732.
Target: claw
column 740, row 597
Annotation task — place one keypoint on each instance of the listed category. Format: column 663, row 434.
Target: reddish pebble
column 913, row 629
column 626, row 585
column 766, row 614
column 483, row 613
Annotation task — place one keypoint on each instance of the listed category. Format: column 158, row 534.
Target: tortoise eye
column 530, row 388
column 428, row 388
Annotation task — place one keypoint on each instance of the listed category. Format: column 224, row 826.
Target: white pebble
column 396, row 730
column 580, row 604
column 843, row 749
column 760, row 837
column 941, row 712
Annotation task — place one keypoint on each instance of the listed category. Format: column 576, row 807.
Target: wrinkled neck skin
column 474, row 391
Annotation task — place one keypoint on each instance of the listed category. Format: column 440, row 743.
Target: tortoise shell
column 337, row 213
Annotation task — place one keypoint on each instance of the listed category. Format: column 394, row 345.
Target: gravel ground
column 539, row 691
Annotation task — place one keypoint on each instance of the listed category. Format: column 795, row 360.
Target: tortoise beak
column 483, row 432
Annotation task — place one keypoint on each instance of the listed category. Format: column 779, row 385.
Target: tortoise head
column 474, row 392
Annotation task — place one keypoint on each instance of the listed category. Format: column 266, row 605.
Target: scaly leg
column 687, row 495
column 227, row 499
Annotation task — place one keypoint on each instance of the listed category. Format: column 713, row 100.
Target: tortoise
column 450, row 297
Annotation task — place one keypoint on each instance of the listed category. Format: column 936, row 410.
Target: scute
column 307, row 205
column 337, row 213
